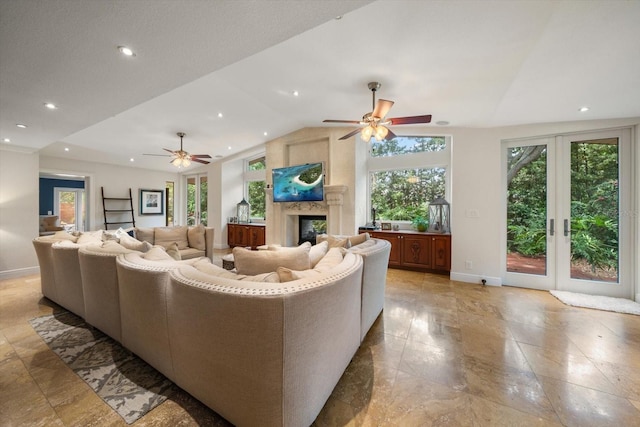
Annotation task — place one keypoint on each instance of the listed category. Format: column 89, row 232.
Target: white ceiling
column 470, row 63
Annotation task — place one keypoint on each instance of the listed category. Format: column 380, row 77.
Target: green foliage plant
column 420, row 223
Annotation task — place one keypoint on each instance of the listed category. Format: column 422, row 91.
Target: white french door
column 68, row 205
column 566, row 198
column 197, row 194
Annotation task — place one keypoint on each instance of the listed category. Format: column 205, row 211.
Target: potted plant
column 420, row 223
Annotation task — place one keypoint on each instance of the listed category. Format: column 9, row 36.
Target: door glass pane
column 67, row 209
column 169, row 193
column 594, row 210
column 203, row 199
column 191, row 200
column 527, row 209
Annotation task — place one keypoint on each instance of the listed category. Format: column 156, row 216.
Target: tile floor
column 442, row 353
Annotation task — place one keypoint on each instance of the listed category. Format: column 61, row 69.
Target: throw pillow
column 258, row 262
column 333, row 257
column 90, row 237
column 317, row 252
column 205, row 266
column 338, row 242
column 110, row 235
column 144, row 234
column 114, row 247
column 165, row 236
column 359, row 238
column 196, row 237
column 174, row 252
column 157, row 253
column 287, row 274
column 134, row 244
column 63, row 235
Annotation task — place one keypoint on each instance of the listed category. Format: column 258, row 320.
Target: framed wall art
column 151, row 202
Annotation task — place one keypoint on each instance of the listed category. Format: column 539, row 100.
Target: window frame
column 421, row 160
column 253, row 176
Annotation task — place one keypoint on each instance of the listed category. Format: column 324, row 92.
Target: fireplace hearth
column 309, row 226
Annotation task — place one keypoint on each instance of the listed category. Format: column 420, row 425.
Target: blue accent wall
column 46, row 191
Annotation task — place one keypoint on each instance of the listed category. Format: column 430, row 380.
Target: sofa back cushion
column 196, row 237
column 157, row 253
column 165, row 236
column 134, row 244
column 145, row 234
column 258, row 262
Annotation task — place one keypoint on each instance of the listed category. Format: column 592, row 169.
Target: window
column 255, row 184
column 405, row 174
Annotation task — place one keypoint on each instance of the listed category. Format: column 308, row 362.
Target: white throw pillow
column 317, row 252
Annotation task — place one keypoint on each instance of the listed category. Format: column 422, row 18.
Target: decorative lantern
column 439, row 216
column 243, row 211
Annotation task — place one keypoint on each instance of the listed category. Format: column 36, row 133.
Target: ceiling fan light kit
column 375, row 123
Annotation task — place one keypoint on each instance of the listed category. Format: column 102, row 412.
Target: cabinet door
column 441, row 247
column 256, row 236
column 416, row 251
column 231, row 235
column 396, row 246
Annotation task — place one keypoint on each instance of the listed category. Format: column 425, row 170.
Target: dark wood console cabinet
column 417, row 251
column 246, row 235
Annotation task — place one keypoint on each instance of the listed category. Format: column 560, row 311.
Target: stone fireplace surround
column 286, row 214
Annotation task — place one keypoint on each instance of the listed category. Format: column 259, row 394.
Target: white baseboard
column 19, row 272
column 475, row 278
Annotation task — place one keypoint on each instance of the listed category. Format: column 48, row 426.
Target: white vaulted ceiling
column 470, row 63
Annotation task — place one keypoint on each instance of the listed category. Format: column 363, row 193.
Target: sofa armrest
column 208, row 241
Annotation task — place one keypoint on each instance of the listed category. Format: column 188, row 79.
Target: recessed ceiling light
column 220, row 115
column 131, row 160
column 126, row 51
column 265, row 134
column 583, row 109
column 6, row 140
column 296, row 93
column 50, row 105
column 21, row 126
column 442, row 123
column 66, row 148
column 339, row 17
column 229, row 147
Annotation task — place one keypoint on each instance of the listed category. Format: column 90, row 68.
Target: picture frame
column 151, row 202
column 385, row 225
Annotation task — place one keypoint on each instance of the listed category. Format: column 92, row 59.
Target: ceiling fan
column 375, row 124
column 181, row 158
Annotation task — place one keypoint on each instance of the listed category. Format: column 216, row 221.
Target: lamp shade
column 243, row 210
column 439, row 216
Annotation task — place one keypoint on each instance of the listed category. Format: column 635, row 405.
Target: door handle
column 566, row 227
column 552, row 225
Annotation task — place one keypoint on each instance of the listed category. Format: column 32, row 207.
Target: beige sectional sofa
column 192, row 242
column 256, row 349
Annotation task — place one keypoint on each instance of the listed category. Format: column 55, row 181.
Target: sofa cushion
column 196, row 237
column 334, row 241
column 173, row 251
column 317, row 252
column 165, row 236
column 144, row 234
column 258, row 262
column 191, row 253
column 134, row 244
column 366, row 244
column 111, row 246
column 157, row 253
column 206, row 267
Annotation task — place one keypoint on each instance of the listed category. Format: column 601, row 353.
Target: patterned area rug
column 619, row 305
column 126, row 383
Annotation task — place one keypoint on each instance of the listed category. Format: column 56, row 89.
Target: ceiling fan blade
column 350, row 134
column 355, row 122
column 204, row 162
column 204, row 156
column 410, row 120
column 159, row 155
column 382, row 108
column 166, row 149
column 390, row 135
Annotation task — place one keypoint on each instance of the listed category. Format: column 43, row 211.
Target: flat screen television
column 302, row 183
